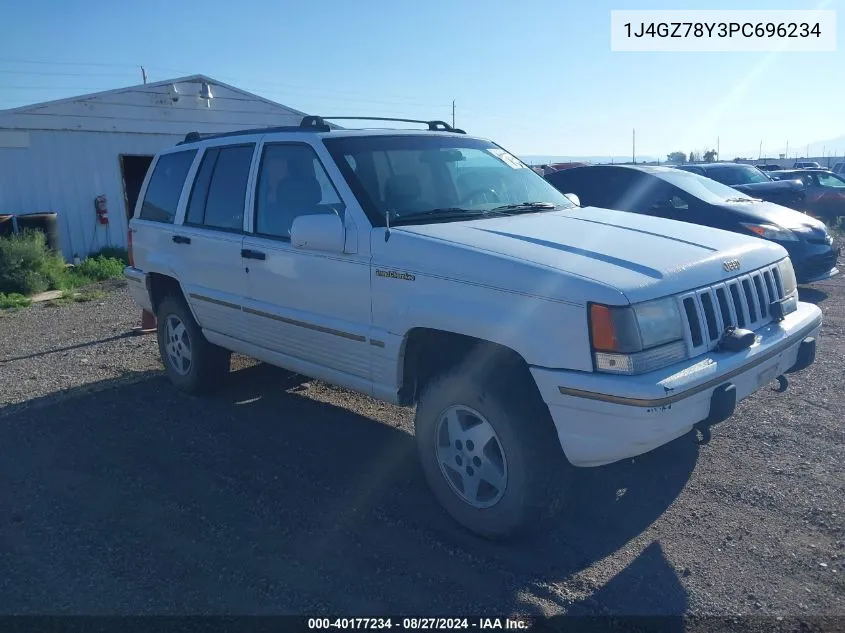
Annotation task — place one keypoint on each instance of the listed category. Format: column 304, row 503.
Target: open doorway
column 133, row 169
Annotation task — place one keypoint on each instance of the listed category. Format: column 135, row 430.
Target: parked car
column 750, row 180
column 806, row 164
column 768, row 167
column 680, row 195
column 825, row 191
column 839, row 168
column 432, row 268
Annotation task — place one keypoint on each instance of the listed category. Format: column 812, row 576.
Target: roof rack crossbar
column 434, row 125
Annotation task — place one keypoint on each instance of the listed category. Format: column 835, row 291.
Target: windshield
column 445, row 177
column 705, row 189
column 737, row 175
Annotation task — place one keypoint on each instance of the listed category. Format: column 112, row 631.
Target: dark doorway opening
column 133, row 169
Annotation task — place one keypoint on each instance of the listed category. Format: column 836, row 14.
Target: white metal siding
column 64, row 172
column 59, row 156
column 152, row 110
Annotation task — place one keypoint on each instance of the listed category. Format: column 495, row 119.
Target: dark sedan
column 754, row 182
column 825, row 197
column 680, row 195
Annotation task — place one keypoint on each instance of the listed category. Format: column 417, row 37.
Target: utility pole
column 807, row 155
column 787, row 149
column 453, row 113
column 143, row 75
column 760, row 155
column 634, row 147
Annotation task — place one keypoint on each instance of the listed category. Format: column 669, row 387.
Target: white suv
column 431, row 268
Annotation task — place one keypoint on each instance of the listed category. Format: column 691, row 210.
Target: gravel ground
column 276, row 495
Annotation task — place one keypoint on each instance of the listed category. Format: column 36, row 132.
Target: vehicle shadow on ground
column 68, row 348
column 140, row 499
column 811, row 295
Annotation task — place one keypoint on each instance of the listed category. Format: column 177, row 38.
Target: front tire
column 193, row 364
column 488, row 452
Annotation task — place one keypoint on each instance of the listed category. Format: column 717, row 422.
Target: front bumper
column 603, row 418
column 138, row 288
column 813, row 262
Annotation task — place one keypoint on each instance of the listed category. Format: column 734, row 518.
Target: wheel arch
column 426, row 353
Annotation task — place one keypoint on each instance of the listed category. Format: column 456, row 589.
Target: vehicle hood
column 641, row 257
column 776, row 187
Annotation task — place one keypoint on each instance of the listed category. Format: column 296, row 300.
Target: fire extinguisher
column 101, row 207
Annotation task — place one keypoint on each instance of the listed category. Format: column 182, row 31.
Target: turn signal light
column 603, row 332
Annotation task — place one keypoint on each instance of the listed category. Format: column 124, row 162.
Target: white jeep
column 430, row 268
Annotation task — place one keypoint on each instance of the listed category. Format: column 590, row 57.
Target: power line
column 65, row 63
column 227, row 78
column 63, row 74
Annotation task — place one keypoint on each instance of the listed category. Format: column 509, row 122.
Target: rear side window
column 162, row 196
column 219, row 193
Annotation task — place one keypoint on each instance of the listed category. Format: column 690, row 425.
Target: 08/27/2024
column 414, row 624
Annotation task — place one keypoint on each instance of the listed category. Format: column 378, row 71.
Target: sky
column 537, row 77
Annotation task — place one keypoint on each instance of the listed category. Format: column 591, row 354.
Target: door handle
column 250, row 254
column 181, row 239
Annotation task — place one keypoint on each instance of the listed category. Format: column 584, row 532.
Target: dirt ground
column 278, row 496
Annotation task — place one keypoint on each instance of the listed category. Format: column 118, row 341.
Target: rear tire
column 193, row 364
column 460, row 410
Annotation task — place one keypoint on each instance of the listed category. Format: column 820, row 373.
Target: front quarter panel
column 418, row 283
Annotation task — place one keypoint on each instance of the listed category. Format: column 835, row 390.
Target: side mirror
column 324, row 232
column 573, row 199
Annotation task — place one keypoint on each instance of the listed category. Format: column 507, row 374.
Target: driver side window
column 291, row 182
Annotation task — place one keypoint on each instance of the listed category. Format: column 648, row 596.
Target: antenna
column 453, row 113
column 387, row 225
column 143, row 74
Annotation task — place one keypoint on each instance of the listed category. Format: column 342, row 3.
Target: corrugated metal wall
column 64, row 171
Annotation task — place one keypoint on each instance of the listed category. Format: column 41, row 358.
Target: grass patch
column 113, row 252
column 13, row 300
column 28, row 267
column 94, row 269
column 75, row 296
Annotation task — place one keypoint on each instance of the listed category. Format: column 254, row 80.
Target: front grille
column 739, row 302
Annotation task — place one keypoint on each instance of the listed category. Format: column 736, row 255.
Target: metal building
column 61, row 156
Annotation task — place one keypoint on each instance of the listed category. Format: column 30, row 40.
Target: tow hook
column 722, row 406
column 783, row 384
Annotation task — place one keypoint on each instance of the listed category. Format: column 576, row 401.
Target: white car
column 430, row 268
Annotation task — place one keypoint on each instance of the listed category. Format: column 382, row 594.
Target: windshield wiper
column 526, row 207
column 446, row 214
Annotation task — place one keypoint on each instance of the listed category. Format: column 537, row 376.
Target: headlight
column 659, row 321
column 637, row 339
column 787, row 276
column 771, row 232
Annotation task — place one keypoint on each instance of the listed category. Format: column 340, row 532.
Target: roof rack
column 193, row 137
column 433, row 126
column 316, row 124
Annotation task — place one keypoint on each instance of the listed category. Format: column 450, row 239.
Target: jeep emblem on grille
column 731, row 264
